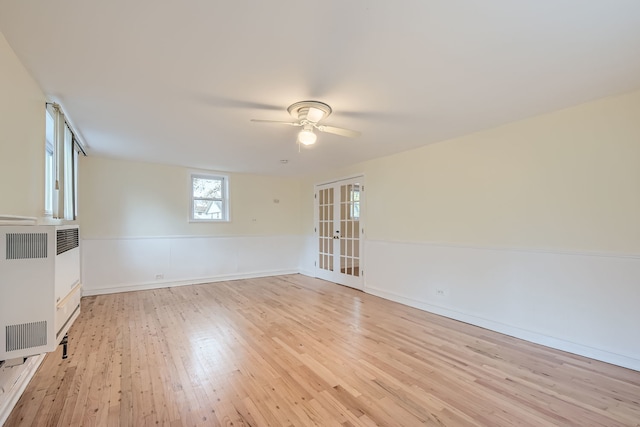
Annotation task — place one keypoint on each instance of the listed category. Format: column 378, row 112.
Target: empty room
column 350, row 213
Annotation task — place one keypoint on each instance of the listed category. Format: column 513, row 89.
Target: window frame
column 224, row 199
column 63, row 149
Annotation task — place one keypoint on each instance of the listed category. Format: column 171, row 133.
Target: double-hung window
column 209, row 197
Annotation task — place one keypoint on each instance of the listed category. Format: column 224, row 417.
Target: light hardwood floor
column 297, row 351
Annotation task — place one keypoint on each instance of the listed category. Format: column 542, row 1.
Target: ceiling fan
column 308, row 115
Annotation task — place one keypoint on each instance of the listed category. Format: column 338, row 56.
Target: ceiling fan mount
column 308, row 114
column 312, row 111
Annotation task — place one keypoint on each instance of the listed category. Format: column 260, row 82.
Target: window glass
column 209, row 198
column 48, row 165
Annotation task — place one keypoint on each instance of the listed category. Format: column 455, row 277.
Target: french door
column 339, row 210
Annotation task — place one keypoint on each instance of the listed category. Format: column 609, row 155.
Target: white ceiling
column 177, row 82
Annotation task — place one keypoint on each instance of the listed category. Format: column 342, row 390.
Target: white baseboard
column 170, row 283
column 534, row 337
column 15, row 380
column 306, row 272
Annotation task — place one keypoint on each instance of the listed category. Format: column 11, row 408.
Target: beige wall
column 568, row 180
column 22, row 125
column 501, row 228
column 124, row 199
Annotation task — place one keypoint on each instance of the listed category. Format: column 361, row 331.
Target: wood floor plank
column 297, row 351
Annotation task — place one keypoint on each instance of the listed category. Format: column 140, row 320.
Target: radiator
column 40, row 287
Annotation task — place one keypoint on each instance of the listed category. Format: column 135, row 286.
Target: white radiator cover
column 40, row 287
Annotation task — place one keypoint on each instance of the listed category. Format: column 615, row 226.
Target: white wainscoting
column 126, row 264
column 308, row 256
column 586, row 304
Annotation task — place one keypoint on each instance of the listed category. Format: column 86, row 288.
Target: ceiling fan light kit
column 306, row 136
column 308, row 114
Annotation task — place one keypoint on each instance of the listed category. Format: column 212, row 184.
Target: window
column 209, row 198
column 61, row 166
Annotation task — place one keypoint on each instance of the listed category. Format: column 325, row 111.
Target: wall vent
column 26, row 245
column 66, row 239
column 26, row 335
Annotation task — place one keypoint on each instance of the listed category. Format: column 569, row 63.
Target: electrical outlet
column 440, row 292
column 159, row 276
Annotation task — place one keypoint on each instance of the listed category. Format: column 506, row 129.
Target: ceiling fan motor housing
column 312, row 111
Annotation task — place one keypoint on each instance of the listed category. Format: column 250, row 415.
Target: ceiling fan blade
column 222, row 102
column 277, row 121
column 338, row 131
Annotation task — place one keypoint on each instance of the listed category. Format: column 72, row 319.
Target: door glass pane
column 325, row 226
column 350, row 229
